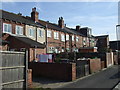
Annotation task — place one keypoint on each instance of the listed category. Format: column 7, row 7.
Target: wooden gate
column 14, row 69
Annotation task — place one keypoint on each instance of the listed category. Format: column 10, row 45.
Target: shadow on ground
column 43, row 80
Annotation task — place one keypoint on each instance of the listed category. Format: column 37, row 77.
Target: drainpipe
column 46, row 40
column 35, row 53
column 36, row 34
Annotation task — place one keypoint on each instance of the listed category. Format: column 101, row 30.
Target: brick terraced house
column 56, row 37
column 21, row 34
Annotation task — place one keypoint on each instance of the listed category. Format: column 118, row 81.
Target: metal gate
column 14, row 70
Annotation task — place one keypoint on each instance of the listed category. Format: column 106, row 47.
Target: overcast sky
column 102, row 17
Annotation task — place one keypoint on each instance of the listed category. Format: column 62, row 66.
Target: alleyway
column 105, row 79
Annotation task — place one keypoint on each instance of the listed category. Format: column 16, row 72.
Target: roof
column 29, row 41
column 114, row 41
column 102, row 36
column 18, row 18
column 75, row 32
column 56, row 27
column 51, row 25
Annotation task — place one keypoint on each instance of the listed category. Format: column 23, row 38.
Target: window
column 51, row 49
column 77, row 39
column 72, row 38
column 40, row 33
column 19, row 30
column 7, row 28
column 84, row 41
column 56, row 35
column 62, row 37
column 31, row 32
column 56, row 50
column 67, row 37
column 48, row 33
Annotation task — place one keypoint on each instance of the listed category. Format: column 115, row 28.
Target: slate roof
column 29, row 41
column 29, row 21
column 74, row 31
column 56, row 27
column 17, row 18
column 102, row 36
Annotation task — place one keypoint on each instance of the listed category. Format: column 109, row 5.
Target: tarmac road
column 106, row 79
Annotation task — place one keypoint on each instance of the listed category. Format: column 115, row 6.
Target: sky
column 101, row 17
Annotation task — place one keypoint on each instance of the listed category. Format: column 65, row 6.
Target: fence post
column 0, row 71
column 26, row 69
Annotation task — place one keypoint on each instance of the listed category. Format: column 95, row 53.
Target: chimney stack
column 77, row 28
column 61, row 22
column 34, row 14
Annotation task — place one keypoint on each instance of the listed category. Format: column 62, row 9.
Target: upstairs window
column 19, row 30
column 67, row 37
column 7, row 28
column 41, row 34
column 72, row 38
column 31, row 32
column 49, row 33
column 77, row 39
column 56, row 35
column 63, row 37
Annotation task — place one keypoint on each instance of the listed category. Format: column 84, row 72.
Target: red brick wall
column 109, row 59
column 56, row 42
column 4, row 47
column 87, row 50
column 102, row 64
column 29, row 71
column 32, row 53
column 60, row 71
column 95, row 65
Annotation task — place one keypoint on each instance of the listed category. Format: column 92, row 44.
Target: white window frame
column 63, row 37
column 40, row 33
column 84, row 41
column 49, row 33
column 31, row 35
column 72, row 37
column 67, row 37
column 7, row 31
column 20, row 31
column 77, row 38
column 56, row 35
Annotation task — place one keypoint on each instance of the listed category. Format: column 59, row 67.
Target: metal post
column 26, row 69
column 118, row 37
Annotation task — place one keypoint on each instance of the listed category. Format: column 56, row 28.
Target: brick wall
column 29, row 71
column 4, row 47
column 55, row 42
column 85, row 50
column 102, row 64
column 61, row 71
column 95, row 65
column 109, row 59
column 34, row 52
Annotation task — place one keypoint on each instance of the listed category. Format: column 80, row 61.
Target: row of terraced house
column 38, row 37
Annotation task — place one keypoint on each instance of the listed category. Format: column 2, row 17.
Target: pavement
column 107, row 78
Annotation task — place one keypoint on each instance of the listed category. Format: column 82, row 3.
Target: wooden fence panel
column 13, row 69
